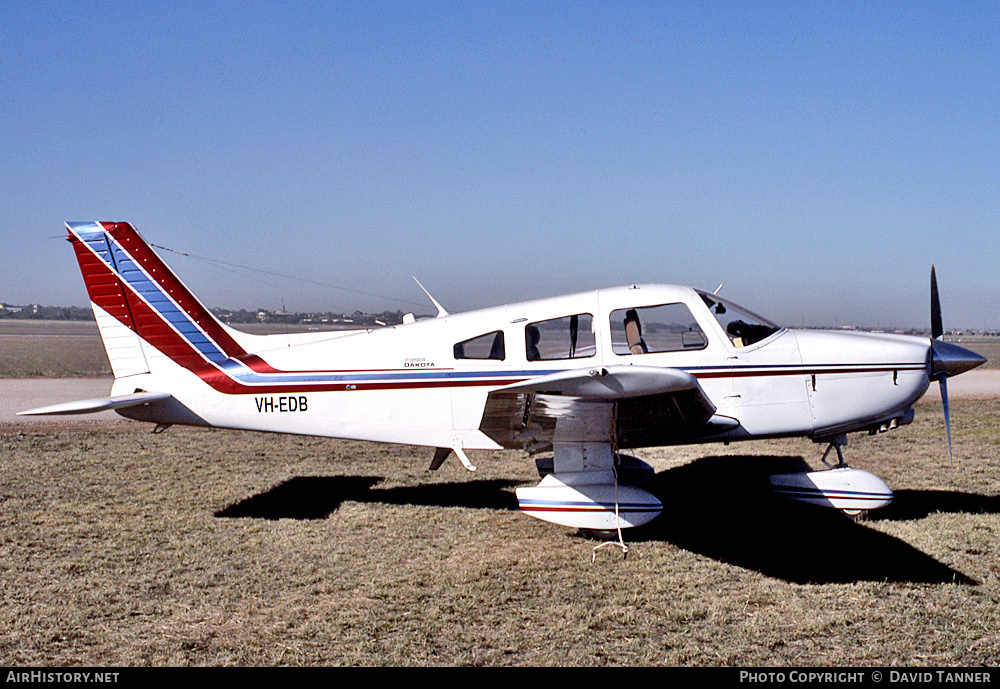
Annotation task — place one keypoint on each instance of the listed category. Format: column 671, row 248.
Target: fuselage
column 581, row 375
column 427, row 382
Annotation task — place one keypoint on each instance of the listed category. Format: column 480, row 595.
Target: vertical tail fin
column 137, row 299
column 108, row 299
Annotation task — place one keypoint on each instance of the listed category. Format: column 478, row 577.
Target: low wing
column 611, row 383
column 99, row 404
column 640, row 405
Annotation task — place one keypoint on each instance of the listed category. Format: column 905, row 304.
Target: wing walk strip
column 161, row 310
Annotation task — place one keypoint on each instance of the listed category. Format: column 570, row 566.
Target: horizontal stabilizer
column 100, row 404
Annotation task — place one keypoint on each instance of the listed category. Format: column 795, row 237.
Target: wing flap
column 642, row 405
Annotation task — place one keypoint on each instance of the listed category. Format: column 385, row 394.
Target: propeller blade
column 947, row 414
column 946, row 359
column 936, row 328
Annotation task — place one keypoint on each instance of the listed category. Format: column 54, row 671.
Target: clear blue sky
column 816, row 158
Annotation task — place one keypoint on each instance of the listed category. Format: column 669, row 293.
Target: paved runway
column 18, row 394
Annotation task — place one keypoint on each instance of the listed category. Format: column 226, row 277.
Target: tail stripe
column 130, row 282
column 147, row 307
column 151, row 293
column 103, row 287
column 170, row 291
column 107, row 293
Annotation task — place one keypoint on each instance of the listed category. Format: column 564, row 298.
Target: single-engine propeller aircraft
column 579, row 376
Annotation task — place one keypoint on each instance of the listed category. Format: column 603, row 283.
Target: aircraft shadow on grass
column 721, row 507
column 917, row 504
column 316, row 497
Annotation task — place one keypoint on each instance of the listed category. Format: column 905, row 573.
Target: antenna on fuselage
column 716, row 292
column 441, row 312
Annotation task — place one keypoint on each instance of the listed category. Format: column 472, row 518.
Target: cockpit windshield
column 743, row 327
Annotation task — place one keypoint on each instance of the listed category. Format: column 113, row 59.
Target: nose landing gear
column 836, row 443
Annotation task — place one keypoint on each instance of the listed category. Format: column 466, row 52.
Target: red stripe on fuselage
column 597, row 508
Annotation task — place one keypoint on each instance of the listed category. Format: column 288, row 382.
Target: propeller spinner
column 946, row 359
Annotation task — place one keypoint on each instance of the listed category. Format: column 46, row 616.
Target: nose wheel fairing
column 843, row 488
column 839, row 487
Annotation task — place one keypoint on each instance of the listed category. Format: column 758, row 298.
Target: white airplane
column 580, row 376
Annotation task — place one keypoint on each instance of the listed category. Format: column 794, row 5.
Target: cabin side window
column 650, row 329
column 488, row 346
column 569, row 337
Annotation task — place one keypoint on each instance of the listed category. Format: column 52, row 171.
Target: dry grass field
column 119, row 547
column 209, row 547
column 51, row 349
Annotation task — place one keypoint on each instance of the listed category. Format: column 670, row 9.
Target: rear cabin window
column 650, row 329
column 569, row 337
column 488, row 346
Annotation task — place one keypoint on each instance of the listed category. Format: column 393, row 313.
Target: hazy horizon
column 814, row 159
